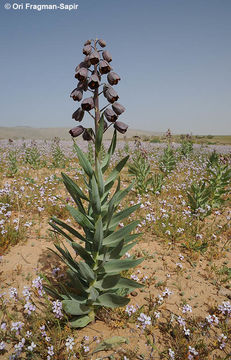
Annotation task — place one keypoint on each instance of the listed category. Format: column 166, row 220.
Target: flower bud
column 102, row 43
column 121, row 127
column 81, row 74
column 88, row 42
column 87, row 49
column 104, row 67
column 118, row 108
column 88, row 104
column 77, row 94
column 110, row 115
column 106, row 56
column 94, row 82
column 88, row 134
column 113, row 78
column 78, row 114
column 94, row 57
column 76, row 131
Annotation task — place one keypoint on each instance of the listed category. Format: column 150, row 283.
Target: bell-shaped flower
column 104, row 67
column 83, row 64
column 94, row 57
column 76, row 131
column 77, row 95
column 118, row 108
column 87, row 49
column 78, row 114
column 88, row 134
column 88, row 104
column 107, row 56
column 102, row 43
column 110, row 115
column 83, row 85
column 121, row 127
column 81, row 74
column 87, row 61
column 110, row 94
column 113, row 78
column 94, row 82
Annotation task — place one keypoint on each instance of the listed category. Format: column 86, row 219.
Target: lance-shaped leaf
column 107, row 282
column 98, row 236
column 128, row 247
column 68, row 228
column 83, row 253
column 120, row 234
column 80, row 321
column 60, row 231
column 99, row 178
column 109, row 344
column 66, row 255
column 80, row 218
column 112, row 300
column 86, row 272
column 116, row 266
column 77, row 283
column 95, row 198
column 73, row 307
column 128, row 284
column 93, row 295
column 52, row 292
column 115, row 172
column 116, row 199
column 111, row 150
column 116, row 219
column 99, row 135
column 73, row 189
column 115, row 252
column 84, row 162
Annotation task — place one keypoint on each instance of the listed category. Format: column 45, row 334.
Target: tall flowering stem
column 96, row 280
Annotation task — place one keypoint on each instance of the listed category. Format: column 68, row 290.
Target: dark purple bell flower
column 107, row 56
column 88, row 104
column 104, row 67
column 113, row 78
column 94, row 57
column 94, row 82
column 78, row 114
column 110, row 115
column 121, row 127
column 81, row 74
column 77, row 95
column 76, row 131
column 118, row 108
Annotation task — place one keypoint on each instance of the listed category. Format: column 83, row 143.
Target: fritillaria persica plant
column 95, row 280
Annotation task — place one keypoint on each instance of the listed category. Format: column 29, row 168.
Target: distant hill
column 27, row 132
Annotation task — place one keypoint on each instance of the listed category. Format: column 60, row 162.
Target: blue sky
column 173, row 56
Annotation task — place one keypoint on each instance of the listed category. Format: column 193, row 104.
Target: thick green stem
column 97, row 111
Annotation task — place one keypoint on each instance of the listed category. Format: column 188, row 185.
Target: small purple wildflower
column 186, row 308
column 56, row 308
column 145, row 320
column 70, row 343
column 130, row 309
column 17, row 326
column 2, row 345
